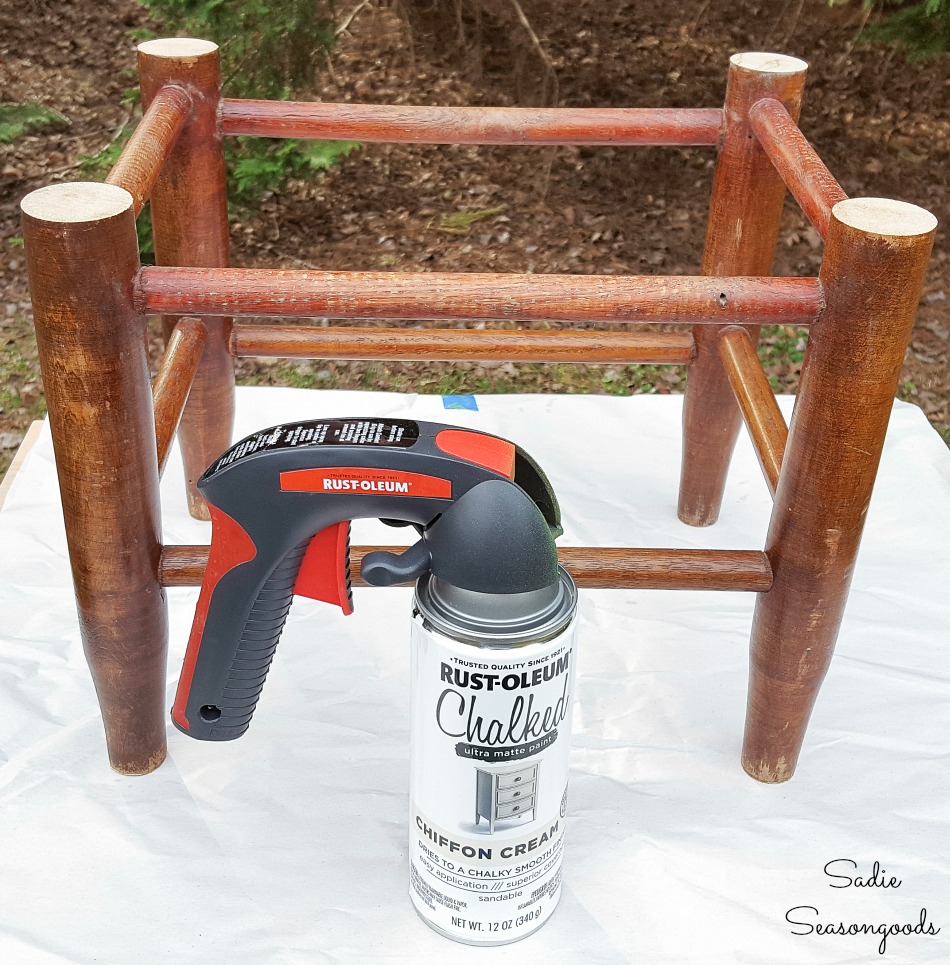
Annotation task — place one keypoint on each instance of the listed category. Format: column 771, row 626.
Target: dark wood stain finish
column 151, row 143
column 640, row 299
column 849, row 378
column 173, row 382
column 760, row 411
column 390, row 123
column 592, row 567
column 365, row 344
column 190, row 227
column 803, row 171
column 95, row 371
column 745, row 210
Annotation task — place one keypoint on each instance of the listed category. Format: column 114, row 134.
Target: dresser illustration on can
column 503, row 795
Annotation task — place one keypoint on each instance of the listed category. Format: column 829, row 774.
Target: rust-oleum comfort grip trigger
column 491, row 638
column 280, row 503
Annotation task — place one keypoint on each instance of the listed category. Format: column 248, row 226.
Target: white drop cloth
column 290, row 844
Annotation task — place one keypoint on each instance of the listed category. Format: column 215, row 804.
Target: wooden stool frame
column 112, row 430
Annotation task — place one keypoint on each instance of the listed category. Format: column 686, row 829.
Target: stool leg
column 190, row 226
column 82, row 259
column 876, row 254
column 745, row 211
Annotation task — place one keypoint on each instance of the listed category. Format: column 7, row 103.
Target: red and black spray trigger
column 324, row 573
column 281, row 502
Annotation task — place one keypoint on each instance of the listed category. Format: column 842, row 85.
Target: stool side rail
column 399, row 124
column 811, row 183
column 173, row 380
column 423, row 295
column 428, row 344
column 760, row 411
column 591, row 567
column 139, row 165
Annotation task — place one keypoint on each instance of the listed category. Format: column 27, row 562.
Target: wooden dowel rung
column 803, row 171
column 151, row 143
column 667, row 569
column 591, row 567
column 472, row 125
column 760, row 411
column 173, row 381
column 337, row 342
column 638, row 299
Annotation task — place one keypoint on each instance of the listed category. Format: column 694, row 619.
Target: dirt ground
column 882, row 125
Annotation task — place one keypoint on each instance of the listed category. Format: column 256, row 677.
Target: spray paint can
column 492, row 688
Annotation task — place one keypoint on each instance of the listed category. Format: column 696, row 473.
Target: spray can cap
column 487, row 569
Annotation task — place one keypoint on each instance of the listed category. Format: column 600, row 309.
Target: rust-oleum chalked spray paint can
column 492, row 685
column 491, row 731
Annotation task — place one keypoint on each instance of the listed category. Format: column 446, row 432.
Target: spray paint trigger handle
column 382, row 568
column 324, row 572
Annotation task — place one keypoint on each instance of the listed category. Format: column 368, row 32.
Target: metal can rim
column 492, row 632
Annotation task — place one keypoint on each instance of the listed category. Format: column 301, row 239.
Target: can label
column 490, row 747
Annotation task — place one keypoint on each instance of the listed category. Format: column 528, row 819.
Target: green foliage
column 19, row 393
column 16, row 120
column 268, row 47
column 143, row 228
column 460, row 222
column 268, row 50
column 781, row 351
column 921, row 27
column 95, row 167
column 258, row 166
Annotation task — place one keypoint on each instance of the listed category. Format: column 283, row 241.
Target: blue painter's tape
column 460, row 402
